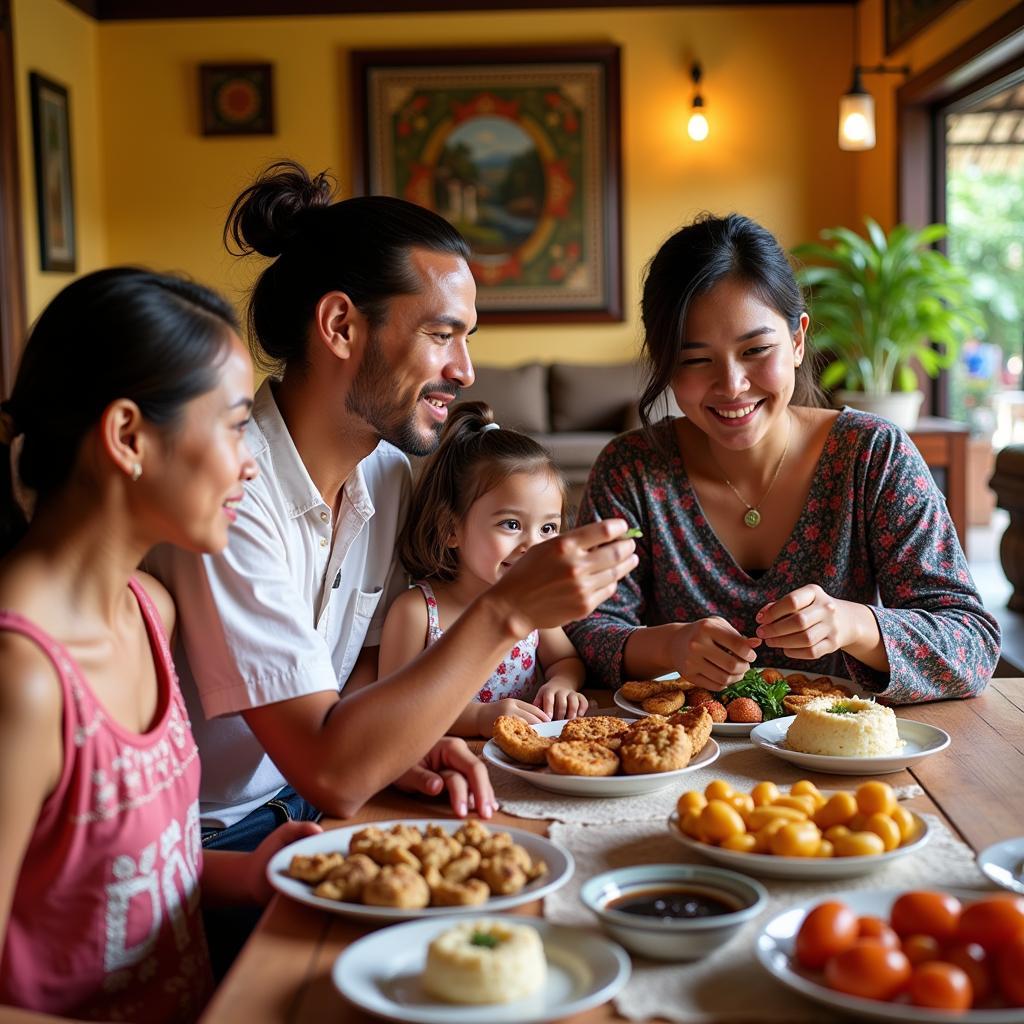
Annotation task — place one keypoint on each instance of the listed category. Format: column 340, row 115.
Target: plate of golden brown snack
column 803, row 833
column 398, row 870
column 914, row 956
column 516, row 970
column 762, row 695
column 603, row 755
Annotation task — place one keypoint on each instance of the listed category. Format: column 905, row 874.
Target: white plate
column 1004, row 863
column 381, row 974
column 735, row 728
column 774, row 948
column 591, row 785
column 919, row 741
column 558, row 859
column 802, row 868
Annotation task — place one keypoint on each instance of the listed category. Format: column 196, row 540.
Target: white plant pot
column 902, row 407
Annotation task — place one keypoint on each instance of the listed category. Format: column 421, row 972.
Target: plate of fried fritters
column 603, row 755
column 401, row 870
column 671, row 694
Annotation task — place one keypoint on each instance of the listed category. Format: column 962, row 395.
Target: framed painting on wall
column 236, row 99
column 905, row 18
column 519, row 149
column 55, row 201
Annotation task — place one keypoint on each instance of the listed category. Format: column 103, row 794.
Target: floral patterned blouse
column 875, row 530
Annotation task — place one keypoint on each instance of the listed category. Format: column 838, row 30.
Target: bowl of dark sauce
column 673, row 911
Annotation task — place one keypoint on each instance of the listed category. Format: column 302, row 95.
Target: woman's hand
column 559, row 701
column 711, row 653
column 254, row 867
column 807, row 623
column 450, row 765
column 487, row 714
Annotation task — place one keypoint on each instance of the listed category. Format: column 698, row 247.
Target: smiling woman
column 774, row 529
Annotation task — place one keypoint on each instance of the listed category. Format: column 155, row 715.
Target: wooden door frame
column 12, row 259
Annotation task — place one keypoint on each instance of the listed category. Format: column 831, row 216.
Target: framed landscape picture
column 55, row 202
column 519, row 149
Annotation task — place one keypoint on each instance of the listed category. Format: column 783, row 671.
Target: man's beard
column 373, row 398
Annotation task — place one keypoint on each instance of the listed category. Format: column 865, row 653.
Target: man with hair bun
column 363, row 320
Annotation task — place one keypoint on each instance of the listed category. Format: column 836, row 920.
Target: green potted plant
column 881, row 304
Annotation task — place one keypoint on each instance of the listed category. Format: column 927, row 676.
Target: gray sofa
column 573, row 409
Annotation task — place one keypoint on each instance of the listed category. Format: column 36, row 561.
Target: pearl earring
column 136, row 471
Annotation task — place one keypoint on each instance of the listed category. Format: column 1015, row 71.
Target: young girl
column 484, row 498
column 124, row 429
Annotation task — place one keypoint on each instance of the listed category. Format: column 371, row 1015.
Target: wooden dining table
column 976, row 786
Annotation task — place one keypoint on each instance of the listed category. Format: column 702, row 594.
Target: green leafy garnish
column 483, row 939
column 842, row 708
column 633, row 533
column 767, row 696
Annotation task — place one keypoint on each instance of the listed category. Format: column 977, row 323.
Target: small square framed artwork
column 55, row 200
column 236, row 99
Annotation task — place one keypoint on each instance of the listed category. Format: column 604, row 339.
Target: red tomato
column 1010, row 968
column 868, row 969
column 878, row 929
column 975, row 963
column 926, row 913
column 828, row 929
column 920, row 949
column 992, row 922
column 940, row 986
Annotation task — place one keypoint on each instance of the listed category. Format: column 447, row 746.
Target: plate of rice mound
column 398, row 870
column 849, row 736
column 761, row 695
column 603, row 755
column 507, row 970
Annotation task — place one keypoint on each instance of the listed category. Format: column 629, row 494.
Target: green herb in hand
column 633, row 533
column 483, row 939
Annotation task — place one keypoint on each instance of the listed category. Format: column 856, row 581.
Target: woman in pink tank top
column 124, row 429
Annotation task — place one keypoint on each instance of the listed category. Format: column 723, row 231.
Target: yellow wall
column 62, row 43
column 771, row 83
column 877, row 169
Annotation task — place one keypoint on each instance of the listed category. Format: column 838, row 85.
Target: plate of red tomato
column 893, row 955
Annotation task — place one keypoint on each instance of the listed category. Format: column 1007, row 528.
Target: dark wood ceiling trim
column 126, row 10
column 90, row 7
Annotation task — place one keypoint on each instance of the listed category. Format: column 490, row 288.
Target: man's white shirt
column 285, row 610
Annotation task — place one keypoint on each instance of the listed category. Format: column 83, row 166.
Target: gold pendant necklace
column 752, row 517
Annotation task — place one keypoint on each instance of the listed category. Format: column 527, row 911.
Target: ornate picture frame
column 905, row 18
column 236, row 99
column 55, row 195
column 519, row 148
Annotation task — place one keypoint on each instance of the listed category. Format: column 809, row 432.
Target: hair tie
column 490, row 426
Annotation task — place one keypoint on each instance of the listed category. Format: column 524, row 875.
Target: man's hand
column 565, row 578
column 451, row 765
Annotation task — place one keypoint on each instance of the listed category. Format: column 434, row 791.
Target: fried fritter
column 697, row 723
column 639, row 690
column 582, row 757
column 314, row 868
column 655, row 747
column 519, row 740
column 397, row 885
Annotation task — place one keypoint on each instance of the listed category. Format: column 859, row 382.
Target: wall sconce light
column 697, row 126
column 857, row 109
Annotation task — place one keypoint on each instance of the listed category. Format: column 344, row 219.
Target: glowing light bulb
column 697, row 127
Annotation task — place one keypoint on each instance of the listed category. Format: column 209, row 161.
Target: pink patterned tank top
column 517, row 676
column 105, row 920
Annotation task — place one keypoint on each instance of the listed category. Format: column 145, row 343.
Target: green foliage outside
column 986, row 238
column 883, row 302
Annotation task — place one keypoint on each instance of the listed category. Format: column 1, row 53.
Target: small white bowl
column 674, row 938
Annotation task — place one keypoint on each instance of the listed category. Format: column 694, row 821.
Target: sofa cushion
column 664, row 406
column 518, row 395
column 574, row 452
column 587, row 397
